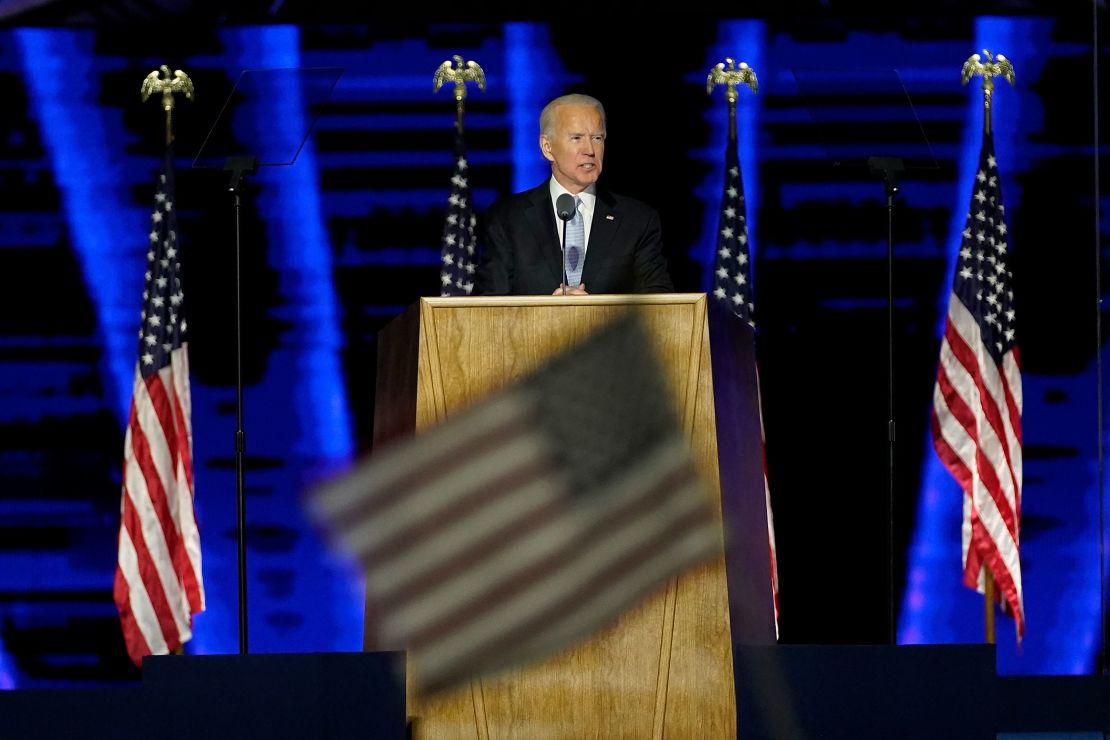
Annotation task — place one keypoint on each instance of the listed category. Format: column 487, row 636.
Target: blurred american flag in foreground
column 529, row 521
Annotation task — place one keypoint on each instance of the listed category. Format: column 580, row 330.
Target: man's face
column 575, row 147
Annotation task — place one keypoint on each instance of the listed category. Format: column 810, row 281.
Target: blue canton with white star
column 456, row 275
column 732, row 268
column 163, row 317
column 983, row 280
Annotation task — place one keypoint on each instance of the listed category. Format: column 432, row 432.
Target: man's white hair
column 547, row 116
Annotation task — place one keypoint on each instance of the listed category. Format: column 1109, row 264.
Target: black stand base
column 859, row 692
column 301, row 696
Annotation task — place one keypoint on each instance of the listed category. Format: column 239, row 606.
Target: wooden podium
column 664, row 669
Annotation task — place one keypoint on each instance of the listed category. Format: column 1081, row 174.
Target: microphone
column 564, row 206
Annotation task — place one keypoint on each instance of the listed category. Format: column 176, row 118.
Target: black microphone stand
column 889, row 168
column 240, row 166
column 565, row 216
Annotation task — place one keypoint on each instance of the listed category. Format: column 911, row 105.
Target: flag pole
column 975, row 67
column 732, row 264
column 988, row 605
column 728, row 74
column 460, row 74
column 457, row 249
column 993, row 67
column 162, row 81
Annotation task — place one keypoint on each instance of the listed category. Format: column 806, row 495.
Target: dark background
column 336, row 245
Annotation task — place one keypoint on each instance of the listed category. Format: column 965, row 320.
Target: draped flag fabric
column 732, row 287
column 456, row 274
column 524, row 524
column 158, row 584
column 977, row 398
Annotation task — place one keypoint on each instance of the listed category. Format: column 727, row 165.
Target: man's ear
column 545, row 148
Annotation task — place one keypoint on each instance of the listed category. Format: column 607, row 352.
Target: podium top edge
column 503, row 301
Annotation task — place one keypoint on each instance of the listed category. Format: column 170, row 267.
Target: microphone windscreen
column 564, row 206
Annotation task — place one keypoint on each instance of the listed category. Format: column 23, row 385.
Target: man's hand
column 580, row 290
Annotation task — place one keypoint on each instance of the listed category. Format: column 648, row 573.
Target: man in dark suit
column 614, row 244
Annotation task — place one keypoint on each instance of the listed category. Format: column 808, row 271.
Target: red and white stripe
column 158, row 584
column 773, row 550
column 480, row 557
column 977, row 433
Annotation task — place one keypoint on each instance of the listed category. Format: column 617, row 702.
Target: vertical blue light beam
column 86, row 151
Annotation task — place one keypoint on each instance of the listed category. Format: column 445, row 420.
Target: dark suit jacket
column 521, row 254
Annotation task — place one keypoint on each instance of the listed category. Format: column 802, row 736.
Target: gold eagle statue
column 998, row 66
column 726, row 73
column 460, row 74
column 178, row 82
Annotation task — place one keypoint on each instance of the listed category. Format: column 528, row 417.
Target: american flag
column 977, row 397
column 456, row 274
column 732, row 269
column 158, row 584
column 532, row 519
column 733, row 288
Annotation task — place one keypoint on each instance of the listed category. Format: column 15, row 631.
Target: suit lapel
column 603, row 228
column 541, row 220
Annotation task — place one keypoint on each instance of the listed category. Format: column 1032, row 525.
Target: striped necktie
column 576, row 246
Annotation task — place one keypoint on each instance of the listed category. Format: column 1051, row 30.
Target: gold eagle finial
column 726, row 73
column 177, row 82
column 994, row 66
column 998, row 66
column 460, row 74
column 163, row 81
